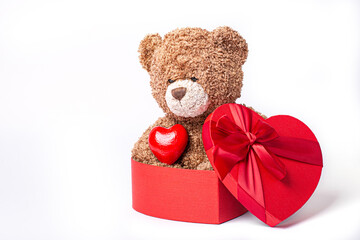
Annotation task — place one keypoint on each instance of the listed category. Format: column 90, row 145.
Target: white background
column 74, row 99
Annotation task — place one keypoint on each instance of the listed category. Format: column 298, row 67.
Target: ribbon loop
column 241, row 136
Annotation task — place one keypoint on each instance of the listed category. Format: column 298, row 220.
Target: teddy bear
column 192, row 72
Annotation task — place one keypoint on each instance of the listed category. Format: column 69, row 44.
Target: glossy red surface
column 168, row 144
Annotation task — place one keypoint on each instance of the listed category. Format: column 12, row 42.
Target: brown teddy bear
column 193, row 71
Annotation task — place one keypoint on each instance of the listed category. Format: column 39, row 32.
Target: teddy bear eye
column 194, row 79
column 171, row 81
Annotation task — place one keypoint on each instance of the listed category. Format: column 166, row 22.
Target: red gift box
column 182, row 194
column 271, row 166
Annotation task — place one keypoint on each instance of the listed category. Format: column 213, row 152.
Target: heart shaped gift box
column 270, row 167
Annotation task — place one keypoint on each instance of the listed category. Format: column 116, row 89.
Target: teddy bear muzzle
column 186, row 98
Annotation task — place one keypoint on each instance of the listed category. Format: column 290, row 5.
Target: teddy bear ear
column 231, row 41
column 147, row 48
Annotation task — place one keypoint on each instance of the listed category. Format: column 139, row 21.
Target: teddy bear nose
column 178, row 93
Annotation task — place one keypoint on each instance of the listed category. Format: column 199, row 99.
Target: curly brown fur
column 189, row 52
column 214, row 58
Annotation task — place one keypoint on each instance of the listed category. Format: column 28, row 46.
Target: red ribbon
column 240, row 141
column 239, row 144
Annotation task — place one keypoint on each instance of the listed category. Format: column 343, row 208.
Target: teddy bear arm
column 195, row 156
column 141, row 151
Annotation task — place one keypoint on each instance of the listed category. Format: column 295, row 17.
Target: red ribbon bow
column 239, row 140
column 241, row 143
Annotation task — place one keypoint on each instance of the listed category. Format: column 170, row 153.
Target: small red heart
column 275, row 199
column 167, row 144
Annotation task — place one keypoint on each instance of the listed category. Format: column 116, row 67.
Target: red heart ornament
column 167, row 144
column 272, row 166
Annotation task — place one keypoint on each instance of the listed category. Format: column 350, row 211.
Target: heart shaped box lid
column 272, row 166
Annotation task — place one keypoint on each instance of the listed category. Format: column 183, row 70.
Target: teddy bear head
column 193, row 71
